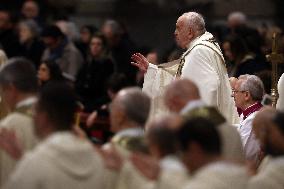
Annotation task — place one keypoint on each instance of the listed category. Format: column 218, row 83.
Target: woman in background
column 31, row 46
column 92, row 78
column 49, row 71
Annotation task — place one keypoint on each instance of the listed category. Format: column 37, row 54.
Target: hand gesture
column 140, row 62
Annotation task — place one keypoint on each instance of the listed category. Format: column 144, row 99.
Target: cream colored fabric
column 61, row 161
column 204, row 65
column 173, row 173
column 271, row 176
column 131, row 178
column 120, row 179
column 219, row 175
column 280, row 102
column 23, row 125
column 250, row 144
column 232, row 148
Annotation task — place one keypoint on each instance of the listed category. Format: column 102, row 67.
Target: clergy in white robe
column 129, row 112
column 20, row 121
column 219, row 175
column 271, row 176
column 201, row 151
column 202, row 62
column 248, row 93
column 280, row 102
column 62, row 160
column 182, row 96
column 18, row 85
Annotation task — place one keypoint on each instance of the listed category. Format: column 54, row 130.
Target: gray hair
column 33, row 27
column 195, row 21
column 135, row 103
column 21, row 73
column 115, row 26
column 253, row 85
column 240, row 17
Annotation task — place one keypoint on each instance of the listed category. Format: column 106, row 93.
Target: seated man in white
column 271, row 137
column 248, row 92
column 182, row 96
column 61, row 159
column 201, row 153
column 162, row 168
column 128, row 114
column 18, row 85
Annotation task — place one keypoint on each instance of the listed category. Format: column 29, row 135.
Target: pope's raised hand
column 140, row 62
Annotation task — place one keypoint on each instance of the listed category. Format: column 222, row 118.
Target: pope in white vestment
column 203, row 63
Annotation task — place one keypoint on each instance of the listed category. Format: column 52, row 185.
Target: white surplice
column 280, row 102
column 204, row 65
column 219, row 175
column 250, row 143
column 62, row 160
column 271, row 176
column 20, row 121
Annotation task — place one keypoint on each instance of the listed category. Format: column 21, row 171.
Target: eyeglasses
column 237, row 91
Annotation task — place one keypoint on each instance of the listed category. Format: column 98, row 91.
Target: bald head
column 179, row 93
column 161, row 135
column 171, row 121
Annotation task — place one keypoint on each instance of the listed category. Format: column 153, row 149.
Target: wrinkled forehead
column 180, row 20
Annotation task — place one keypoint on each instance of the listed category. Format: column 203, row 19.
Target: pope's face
column 183, row 33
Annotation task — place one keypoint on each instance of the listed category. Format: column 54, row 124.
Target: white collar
column 135, row 131
column 28, row 101
column 206, row 35
column 192, row 105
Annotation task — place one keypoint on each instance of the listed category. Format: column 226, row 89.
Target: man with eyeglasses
column 248, row 92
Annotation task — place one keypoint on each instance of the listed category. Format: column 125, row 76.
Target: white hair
column 195, row 21
column 238, row 17
column 253, row 85
column 135, row 103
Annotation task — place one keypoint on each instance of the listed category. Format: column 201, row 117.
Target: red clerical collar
column 253, row 108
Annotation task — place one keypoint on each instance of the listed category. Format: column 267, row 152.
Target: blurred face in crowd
column 107, row 32
column 43, row 73
column 85, row 35
column 50, row 42
column 227, row 51
column 4, row 20
column 96, row 46
column 24, row 33
column 30, row 9
column 183, row 33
